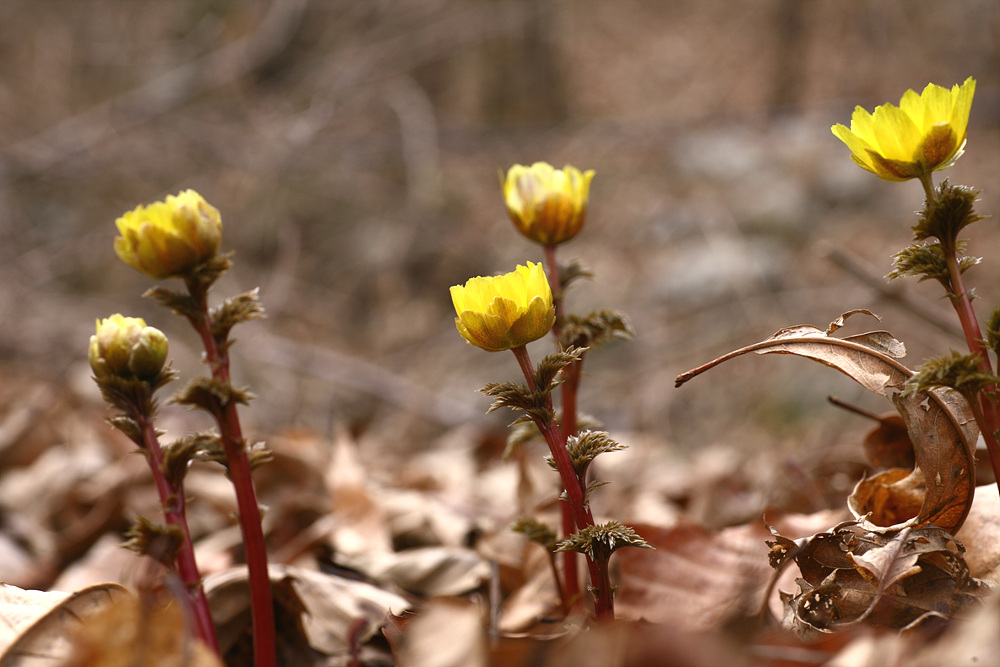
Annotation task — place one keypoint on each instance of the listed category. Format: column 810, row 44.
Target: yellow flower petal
column 925, row 133
column 504, row 312
column 169, row 238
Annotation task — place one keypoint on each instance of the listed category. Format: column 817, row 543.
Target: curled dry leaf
column 891, row 578
column 37, row 626
column 939, row 423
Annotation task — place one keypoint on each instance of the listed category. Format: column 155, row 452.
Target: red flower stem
column 568, row 392
column 987, row 413
column 582, row 515
column 231, row 434
column 173, row 504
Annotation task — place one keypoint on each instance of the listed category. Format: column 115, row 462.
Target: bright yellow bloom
column 924, row 134
column 504, row 312
column 127, row 348
column 169, row 238
column 547, row 205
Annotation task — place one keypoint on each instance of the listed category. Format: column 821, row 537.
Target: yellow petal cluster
column 169, row 238
column 127, row 348
column 925, row 133
column 505, row 312
column 547, row 205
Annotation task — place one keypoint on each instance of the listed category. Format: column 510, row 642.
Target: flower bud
column 125, row 347
column 547, row 205
column 169, row 238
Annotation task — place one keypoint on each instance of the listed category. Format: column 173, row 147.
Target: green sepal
column 132, row 395
column 205, row 275
column 161, row 543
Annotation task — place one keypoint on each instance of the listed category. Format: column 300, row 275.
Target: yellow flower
column 127, row 348
column 505, row 312
column 925, row 133
column 169, row 238
column 547, row 205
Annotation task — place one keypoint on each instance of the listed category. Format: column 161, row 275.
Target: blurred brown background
column 353, row 149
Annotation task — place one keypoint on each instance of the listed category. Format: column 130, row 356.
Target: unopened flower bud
column 125, row 347
column 169, row 238
column 547, row 205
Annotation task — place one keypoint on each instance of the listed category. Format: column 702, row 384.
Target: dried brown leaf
column 981, row 534
column 890, row 578
column 692, row 578
column 329, row 606
column 888, row 444
column 36, row 627
column 430, row 571
column 447, row 633
column 939, row 423
column 129, row 633
column 884, row 567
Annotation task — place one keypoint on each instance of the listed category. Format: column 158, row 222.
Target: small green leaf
column 597, row 328
column 536, row 531
column 211, row 395
column 160, row 543
column 585, row 447
column 960, row 372
column 240, row 308
column 602, row 540
column 179, row 454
